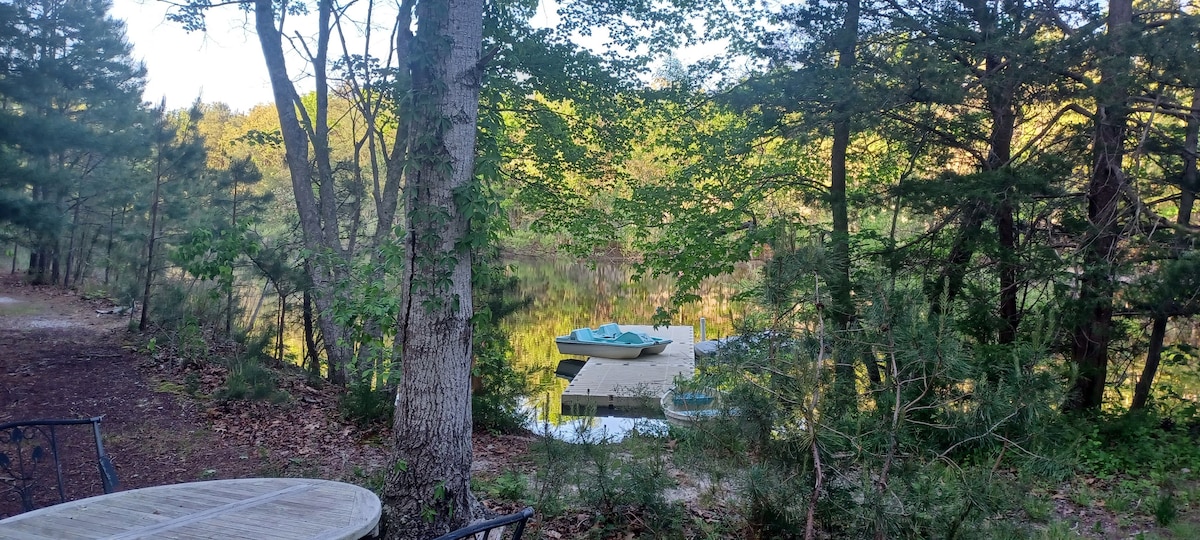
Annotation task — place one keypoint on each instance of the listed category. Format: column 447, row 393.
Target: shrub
column 1137, row 444
column 248, row 379
column 510, row 485
column 365, row 406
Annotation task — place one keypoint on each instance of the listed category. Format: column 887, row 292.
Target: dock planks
column 625, row 385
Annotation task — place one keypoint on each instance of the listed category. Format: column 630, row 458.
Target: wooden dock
column 625, row 385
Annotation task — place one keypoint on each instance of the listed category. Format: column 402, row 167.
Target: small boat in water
column 687, row 408
column 609, row 341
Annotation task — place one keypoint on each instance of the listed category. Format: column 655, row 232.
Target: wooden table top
column 259, row 508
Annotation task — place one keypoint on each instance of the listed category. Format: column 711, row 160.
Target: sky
column 223, row 64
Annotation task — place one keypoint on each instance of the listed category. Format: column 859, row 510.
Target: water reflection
column 566, row 294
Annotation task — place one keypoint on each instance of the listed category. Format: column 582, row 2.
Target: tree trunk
column 942, row 290
column 319, row 236
column 1004, row 116
column 843, row 303
column 66, row 282
column 158, row 177
column 428, row 491
column 84, row 266
column 1001, row 83
column 310, row 342
column 1092, row 332
column 1141, row 392
column 112, row 215
column 40, row 251
column 1188, row 185
column 56, row 243
column 281, row 326
column 258, row 307
column 229, row 286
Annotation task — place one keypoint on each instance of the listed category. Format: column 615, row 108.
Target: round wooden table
column 260, row 508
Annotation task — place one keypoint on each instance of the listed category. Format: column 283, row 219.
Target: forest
column 975, row 220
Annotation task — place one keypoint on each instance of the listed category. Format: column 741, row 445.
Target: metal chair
column 484, row 529
column 30, row 452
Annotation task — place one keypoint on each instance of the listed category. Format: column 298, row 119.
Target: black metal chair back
column 31, row 468
column 484, row 529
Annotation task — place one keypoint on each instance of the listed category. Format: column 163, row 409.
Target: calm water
column 567, row 294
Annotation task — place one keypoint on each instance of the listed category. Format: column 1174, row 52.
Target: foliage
column 367, row 406
column 367, row 307
column 623, row 483
column 510, row 485
column 183, row 305
column 1141, row 444
column 248, row 379
column 914, row 456
column 209, row 254
column 960, row 276
column 70, row 107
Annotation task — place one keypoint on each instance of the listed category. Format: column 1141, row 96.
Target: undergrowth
column 622, row 484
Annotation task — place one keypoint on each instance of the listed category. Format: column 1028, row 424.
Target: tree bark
column 158, row 180
column 843, row 303
column 66, row 282
column 428, row 491
column 281, row 326
column 150, row 246
column 1001, row 103
column 1092, row 332
column 1141, row 392
column 229, row 287
column 942, row 290
column 320, row 234
column 108, row 248
column 312, row 359
column 84, row 266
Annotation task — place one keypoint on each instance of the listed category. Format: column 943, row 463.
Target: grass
column 1038, row 509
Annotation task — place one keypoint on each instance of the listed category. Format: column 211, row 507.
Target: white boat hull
column 601, row 350
column 656, row 349
column 685, row 414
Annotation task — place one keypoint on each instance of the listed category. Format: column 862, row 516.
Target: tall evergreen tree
column 69, row 101
column 1093, row 327
column 177, row 158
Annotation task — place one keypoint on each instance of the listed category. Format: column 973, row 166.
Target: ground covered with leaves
column 163, row 422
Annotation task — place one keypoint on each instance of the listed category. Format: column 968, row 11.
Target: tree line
column 1008, row 158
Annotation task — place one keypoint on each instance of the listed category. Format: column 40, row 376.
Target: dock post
column 703, row 330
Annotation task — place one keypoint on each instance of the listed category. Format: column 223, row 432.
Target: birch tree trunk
column 428, row 489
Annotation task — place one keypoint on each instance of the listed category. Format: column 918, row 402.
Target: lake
column 566, row 294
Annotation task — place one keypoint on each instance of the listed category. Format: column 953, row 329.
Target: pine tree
column 69, row 102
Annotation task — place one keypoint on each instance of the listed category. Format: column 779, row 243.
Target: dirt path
column 59, row 358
